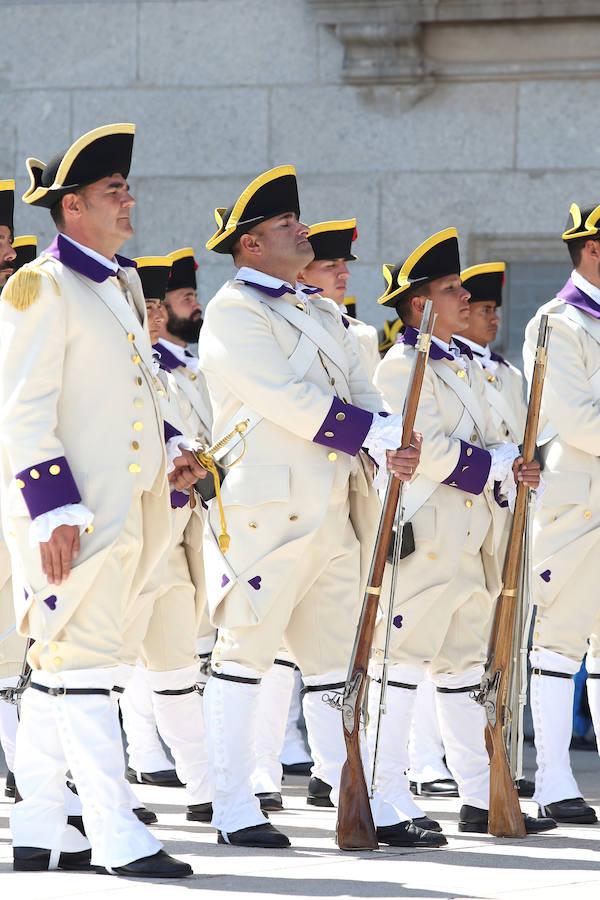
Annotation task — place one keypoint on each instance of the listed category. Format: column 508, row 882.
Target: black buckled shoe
column 475, row 821
column 264, row 835
column 319, row 793
column 162, row 778
column 199, row 812
column 427, row 824
column 36, row 859
column 525, row 788
column 270, row 801
column 159, row 865
column 574, row 811
column 442, row 787
column 406, row 834
column 147, row 816
column 10, row 787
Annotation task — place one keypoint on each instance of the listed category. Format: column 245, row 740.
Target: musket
column 355, row 827
column 505, row 816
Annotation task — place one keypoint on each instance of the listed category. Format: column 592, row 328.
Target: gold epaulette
column 23, row 288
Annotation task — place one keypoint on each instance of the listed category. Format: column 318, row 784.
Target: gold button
column 300, row 306
column 461, row 373
column 53, row 647
column 468, row 504
column 329, row 434
column 20, row 483
column 587, row 514
column 138, row 402
column 432, row 556
column 135, row 445
column 469, row 451
column 89, row 529
column 473, row 437
column 340, row 416
column 192, row 376
column 34, row 474
column 332, row 456
column 491, row 378
column 136, row 358
column 58, row 661
column 252, row 525
column 293, row 517
column 54, row 470
column 131, row 337
column 332, row 381
column 139, row 381
column 134, row 468
column 138, row 426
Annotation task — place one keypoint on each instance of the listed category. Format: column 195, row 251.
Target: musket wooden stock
column 355, row 827
column 505, row 816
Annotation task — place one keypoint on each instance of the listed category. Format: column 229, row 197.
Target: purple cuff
column 170, row 432
column 47, row 486
column 472, row 470
column 344, row 428
column 179, row 499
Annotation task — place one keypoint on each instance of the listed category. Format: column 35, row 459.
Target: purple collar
column 280, row 291
column 167, row 360
column 575, row 297
column 74, row 258
column 435, row 351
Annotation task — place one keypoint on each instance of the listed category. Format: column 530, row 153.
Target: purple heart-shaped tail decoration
column 255, row 582
column 51, row 602
column 224, row 581
column 397, row 621
column 546, row 576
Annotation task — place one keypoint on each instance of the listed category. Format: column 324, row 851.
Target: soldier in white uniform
column 297, row 503
column 85, row 505
column 566, row 534
column 175, row 601
column 451, row 577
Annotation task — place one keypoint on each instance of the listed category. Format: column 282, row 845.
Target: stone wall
column 223, row 89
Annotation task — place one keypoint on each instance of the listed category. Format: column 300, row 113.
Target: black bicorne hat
column 183, row 269
column 484, row 282
column 333, row 240
column 154, row 275
column 95, row 155
column 582, row 223
column 434, row 258
column 25, row 246
column 7, row 203
column 271, row 194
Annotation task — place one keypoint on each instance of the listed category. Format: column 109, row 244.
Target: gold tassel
column 22, row 290
column 206, row 459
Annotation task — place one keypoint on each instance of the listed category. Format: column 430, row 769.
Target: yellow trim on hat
column 483, row 269
column 410, row 263
column 71, row 155
column 590, row 228
column 348, row 301
column 25, row 240
column 242, row 202
column 390, row 332
column 335, row 225
column 144, row 262
column 32, row 163
column 7, row 185
column 176, row 255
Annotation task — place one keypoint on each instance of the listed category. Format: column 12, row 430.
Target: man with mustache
column 451, row 575
column 85, row 503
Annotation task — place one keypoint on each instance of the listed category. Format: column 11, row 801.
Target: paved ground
column 565, row 864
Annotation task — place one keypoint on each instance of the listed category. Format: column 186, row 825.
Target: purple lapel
column 435, row 351
column 575, row 297
column 167, row 360
column 75, row 259
column 269, row 291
